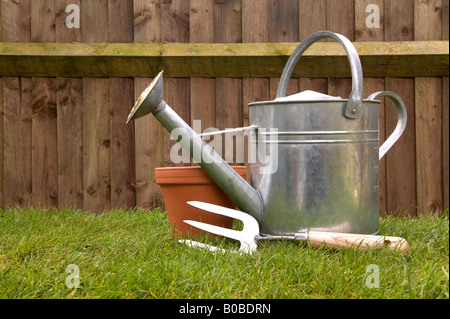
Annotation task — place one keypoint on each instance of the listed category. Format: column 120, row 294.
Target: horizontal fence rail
column 379, row 59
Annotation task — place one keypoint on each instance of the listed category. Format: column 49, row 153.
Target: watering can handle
column 354, row 103
column 401, row 122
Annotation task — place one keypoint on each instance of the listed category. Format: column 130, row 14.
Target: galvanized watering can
column 323, row 153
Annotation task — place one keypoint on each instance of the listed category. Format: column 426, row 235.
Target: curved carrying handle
column 401, row 122
column 354, row 103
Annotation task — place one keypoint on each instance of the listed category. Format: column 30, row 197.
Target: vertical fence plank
column 229, row 115
column 69, row 120
column 203, row 95
column 255, row 21
column 17, row 141
column 401, row 159
column 445, row 111
column 123, row 189
column 66, row 32
column 44, row 151
column 228, row 29
column 123, row 181
column 284, row 27
column 44, row 123
column 428, row 97
column 175, row 28
column 96, row 145
column 149, row 143
column 341, row 19
column 371, row 85
column 401, row 162
column 284, row 21
column 70, row 142
column 312, row 18
column 255, row 28
column 16, row 27
column 2, row 146
column 1, row 136
column 445, row 144
column 96, row 125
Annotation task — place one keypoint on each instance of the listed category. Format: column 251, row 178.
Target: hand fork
column 249, row 235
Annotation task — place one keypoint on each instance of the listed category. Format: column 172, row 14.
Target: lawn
column 132, row 254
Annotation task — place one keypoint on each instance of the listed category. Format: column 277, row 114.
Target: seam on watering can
column 320, row 141
column 161, row 106
column 261, row 213
column 322, row 132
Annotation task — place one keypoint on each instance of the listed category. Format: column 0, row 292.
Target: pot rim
column 188, row 175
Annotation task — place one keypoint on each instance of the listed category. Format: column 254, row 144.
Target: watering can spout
column 149, row 100
column 237, row 188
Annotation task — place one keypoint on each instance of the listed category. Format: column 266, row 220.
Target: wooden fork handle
column 358, row 241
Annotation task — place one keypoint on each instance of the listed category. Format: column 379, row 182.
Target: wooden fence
column 63, row 138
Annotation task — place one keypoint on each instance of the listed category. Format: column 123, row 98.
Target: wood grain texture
column 44, row 141
column 379, row 59
column 95, row 21
column 428, row 144
column 69, row 95
column 284, row 27
column 2, row 146
column 255, row 29
column 149, row 143
column 371, row 85
column 340, row 17
column 312, row 18
column 123, row 179
column 96, row 116
column 175, row 28
column 445, row 111
column 203, row 90
column 96, row 145
column 445, row 142
column 44, row 122
column 428, row 115
column 228, row 29
column 17, row 138
column 401, row 159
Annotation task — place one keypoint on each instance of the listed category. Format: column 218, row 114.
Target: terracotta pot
column 182, row 184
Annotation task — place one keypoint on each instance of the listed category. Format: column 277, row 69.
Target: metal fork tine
column 214, row 209
column 246, row 236
column 251, row 226
column 226, row 232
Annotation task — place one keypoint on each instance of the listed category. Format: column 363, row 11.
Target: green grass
column 132, row 254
